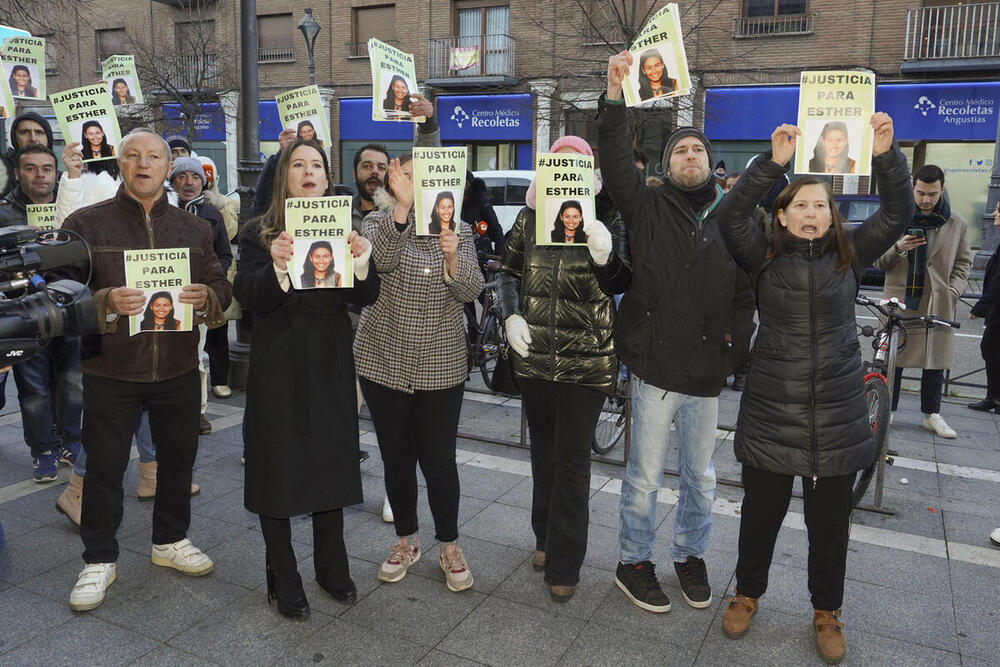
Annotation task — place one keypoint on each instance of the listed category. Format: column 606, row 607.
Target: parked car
column 506, row 190
column 855, row 209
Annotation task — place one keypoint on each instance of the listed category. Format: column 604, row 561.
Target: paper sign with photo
column 86, row 115
column 160, row 273
column 122, row 80
column 438, row 187
column 659, row 63
column 319, row 227
column 302, row 110
column 394, row 80
column 42, row 216
column 564, row 198
column 24, row 66
column 835, row 110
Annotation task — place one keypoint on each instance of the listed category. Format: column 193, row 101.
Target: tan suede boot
column 736, row 620
column 70, row 502
column 829, row 636
column 146, row 488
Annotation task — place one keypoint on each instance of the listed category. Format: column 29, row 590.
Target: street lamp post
column 310, row 29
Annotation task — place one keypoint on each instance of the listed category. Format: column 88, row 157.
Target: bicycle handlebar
column 891, row 312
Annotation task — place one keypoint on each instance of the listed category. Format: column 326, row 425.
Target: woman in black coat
column 803, row 412
column 988, row 308
column 301, row 420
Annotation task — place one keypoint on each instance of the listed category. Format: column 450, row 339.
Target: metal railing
column 959, row 31
column 279, row 54
column 193, row 72
column 772, row 26
column 494, row 56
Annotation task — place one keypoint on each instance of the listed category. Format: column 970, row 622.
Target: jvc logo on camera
column 15, row 353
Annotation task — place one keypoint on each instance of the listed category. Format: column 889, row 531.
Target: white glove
column 599, row 242
column 517, row 334
column 361, row 263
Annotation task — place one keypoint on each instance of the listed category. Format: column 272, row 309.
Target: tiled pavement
column 923, row 585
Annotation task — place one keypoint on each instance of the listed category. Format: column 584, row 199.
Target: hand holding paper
column 518, row 335
column 402, row 186
column 783, row 143
column 361, row 250
column 618, row 65
column 73, row 159
column 281, row 250
column 196, row 295
column 882, row 126
column 286, row 137
column 421, row 106
column 599, row 242
column 126, row 301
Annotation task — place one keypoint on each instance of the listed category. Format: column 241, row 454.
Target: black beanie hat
column 668, row 148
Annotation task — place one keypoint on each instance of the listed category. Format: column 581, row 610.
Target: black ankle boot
column 289, row 594
column 986, row 405
column 347, row 594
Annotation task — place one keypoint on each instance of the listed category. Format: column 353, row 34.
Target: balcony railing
column 196, row 72
column 959, row 31
column 475, row 56
column 772, row 26
column 280, row 54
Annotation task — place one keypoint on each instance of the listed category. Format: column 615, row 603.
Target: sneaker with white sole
column 94, row 579
column 387, row 511
column 403, row 555
column 183, row 557
column 995, row 537
column 456, row 571
column 938, row 425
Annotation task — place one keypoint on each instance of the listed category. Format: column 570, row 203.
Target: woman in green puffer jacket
column 559, row 313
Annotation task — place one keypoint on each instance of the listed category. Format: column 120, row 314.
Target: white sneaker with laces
column 88, row 593
column 938, row 425
column 404, row 553
column 387, row 511
column 183, row 557
column 995, row 537
column 456, row 571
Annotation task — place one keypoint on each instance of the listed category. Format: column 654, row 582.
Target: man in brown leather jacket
column 158, row 370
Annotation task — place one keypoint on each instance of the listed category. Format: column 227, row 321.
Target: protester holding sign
column 559, row 313
column 301, row 428
column 88, row 113
column 393, row 79
column 320, row 227
column 833, row 109
column 302, row 110
column 662, row 62
column 804, row 412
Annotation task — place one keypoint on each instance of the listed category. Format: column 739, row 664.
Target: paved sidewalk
column 923, row 585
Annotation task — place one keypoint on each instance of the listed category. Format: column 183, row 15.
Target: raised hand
column 882, row 139
column 783, row 143
column 402, row 186
column 618, row 65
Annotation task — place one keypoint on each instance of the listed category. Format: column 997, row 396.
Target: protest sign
column 659, row 63
column 122, row 80
column 6, row 99
column 23, row 60
column 835, row 110
column 321, row 256
column 42, row 216
column 438, row 186
column 87, row 115
column 302, row 110
column 160, row 273
column 394, row 79
column 564, row 198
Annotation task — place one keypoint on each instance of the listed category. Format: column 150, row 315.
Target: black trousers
column 828, row 521
column 329, row 551
column 561, row 419
column 217, row 347
column 990, row 347
column 110, row 412
column 418, row 428
column 931, row 388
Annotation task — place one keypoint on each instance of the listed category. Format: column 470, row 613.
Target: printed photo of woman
column 397, row 97
column 568, row 226
column 94, row 141
column 318, row 267
column 443, row 213
column 653, row 81
column 830, row 153
column 307, row 132
column 159, row 315
column 120, row 93
column 20, row 82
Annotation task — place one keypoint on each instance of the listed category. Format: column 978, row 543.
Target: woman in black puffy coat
column 804, row 412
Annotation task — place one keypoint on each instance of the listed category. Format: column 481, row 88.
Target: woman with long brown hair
column 301, row 426
column 803, row 411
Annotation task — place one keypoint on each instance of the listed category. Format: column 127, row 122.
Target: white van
column 505, row 190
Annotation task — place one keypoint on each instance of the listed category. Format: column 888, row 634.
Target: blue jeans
column 143, row 442
column 50, row 393
column 653, row 409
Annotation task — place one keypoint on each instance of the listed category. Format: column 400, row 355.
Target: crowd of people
column 695, row 255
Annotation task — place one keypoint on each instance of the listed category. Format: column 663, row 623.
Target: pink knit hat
column 576, row 143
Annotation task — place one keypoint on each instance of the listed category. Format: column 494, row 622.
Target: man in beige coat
column 928, row 269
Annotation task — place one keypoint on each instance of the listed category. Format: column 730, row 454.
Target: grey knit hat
column 183, row 164
column 668, row 148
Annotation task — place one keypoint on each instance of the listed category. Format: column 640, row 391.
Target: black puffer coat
column 803, row 411
column 567, row 302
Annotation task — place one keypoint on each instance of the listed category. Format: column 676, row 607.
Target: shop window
column 110, row 43
column 368, row 22
column 967, row 167
column 773, row 17
column 274, row 38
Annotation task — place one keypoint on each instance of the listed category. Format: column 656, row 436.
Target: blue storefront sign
column 485, row 117
column 356, row 123
column 960, row 111
column 209, row 122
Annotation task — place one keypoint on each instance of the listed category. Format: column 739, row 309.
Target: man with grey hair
column 157, row 370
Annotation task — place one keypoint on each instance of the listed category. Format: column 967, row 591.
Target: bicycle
column 878, row 391
column 616, row 415
column 489, row 340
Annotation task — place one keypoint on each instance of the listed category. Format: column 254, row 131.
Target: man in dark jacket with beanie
column 28, row 128
column 686, row 308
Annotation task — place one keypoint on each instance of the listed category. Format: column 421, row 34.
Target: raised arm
column 389, row 229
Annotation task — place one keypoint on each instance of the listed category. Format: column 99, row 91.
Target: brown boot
column 538, row 561
column 70, row 502
column 561, row 593
column 146, row 489
column 736, row 620
column 829, row 636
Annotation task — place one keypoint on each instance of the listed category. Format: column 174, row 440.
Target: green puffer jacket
column 567, row 301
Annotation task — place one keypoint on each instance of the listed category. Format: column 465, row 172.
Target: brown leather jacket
column 119, row 224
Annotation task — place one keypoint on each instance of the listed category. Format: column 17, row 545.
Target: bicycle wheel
column 491, row 340
column 614, row 418
column 877, row 397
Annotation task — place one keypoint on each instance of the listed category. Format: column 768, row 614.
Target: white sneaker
column 401, row 557
column 457, row 575
column 937, row 424
column 222, row 390
column 995, row 537
column 183, row 557
column 88, row 593
column 387, row 511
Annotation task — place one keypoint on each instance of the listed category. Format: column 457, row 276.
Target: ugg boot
column 146, row 489
column 829, row 636
column 70, row 502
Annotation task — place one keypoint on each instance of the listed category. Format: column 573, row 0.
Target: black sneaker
column 694, row 582
column 638, row 582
